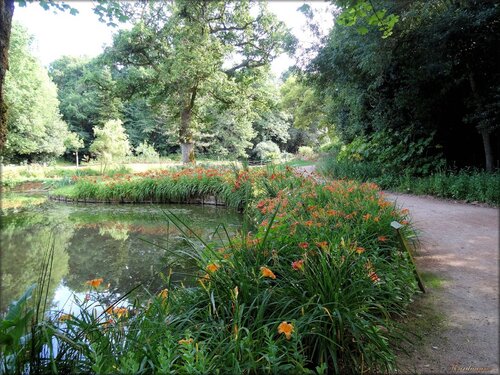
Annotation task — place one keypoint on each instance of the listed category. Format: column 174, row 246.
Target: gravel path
column 459, row 244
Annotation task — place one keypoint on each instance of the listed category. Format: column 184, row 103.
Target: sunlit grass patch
column 11, row 201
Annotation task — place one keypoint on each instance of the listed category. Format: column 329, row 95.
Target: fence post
column 397, row 226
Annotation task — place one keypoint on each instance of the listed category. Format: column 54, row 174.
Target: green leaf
column 362, row 30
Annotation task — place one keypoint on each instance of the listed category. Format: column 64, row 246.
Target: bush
column 306, row 152
column 147, row 152
column 267, row 150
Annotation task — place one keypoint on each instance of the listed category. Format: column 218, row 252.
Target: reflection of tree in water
column 102, row 241
column 124, row 263
column 25, row 239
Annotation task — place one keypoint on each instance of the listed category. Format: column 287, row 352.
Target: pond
column 126, row 245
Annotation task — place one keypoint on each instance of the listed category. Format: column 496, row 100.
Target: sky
column 61, row 34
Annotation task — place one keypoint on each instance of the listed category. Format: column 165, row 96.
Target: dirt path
column 459, row 248
column 459, row 244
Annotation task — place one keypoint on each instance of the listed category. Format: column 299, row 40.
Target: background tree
column 36, row 129
column 194, row 50
column 74, row 143
column 87, row 93
column 110, row 142
column 107, row 10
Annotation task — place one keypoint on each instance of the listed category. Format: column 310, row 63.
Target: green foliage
column 87, row 93
column 36, row 131
column 363, row 14
column 110, row 143
column 267, row 150
column 471, row 186
column 306, row 109
column 199, row 39
column 306, row 152
column 147, row 152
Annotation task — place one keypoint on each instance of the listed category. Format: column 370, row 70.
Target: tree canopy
column 189, row 53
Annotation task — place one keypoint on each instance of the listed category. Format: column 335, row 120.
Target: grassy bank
column 467, row 185
column 313, row 284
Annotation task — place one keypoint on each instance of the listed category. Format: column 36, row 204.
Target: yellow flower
column 266, row 272
column 163, row 293
column 185, row 341
column 286, row 328
column 94, row 283
column 64, row 317
column 212, row 267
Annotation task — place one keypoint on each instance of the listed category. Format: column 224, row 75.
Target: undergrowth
column 467, row 185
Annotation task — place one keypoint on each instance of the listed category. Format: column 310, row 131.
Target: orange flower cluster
column 118, row 311
column 163, row 293
column 65, row 317
column 185, row 341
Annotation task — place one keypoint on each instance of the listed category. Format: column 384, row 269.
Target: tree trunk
column 6, row 13
column 485, row 133
column 187, row 150
column 488, row 153
column 185, row 131
column 76, row 154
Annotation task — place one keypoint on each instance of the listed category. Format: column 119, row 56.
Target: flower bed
column 313, row 284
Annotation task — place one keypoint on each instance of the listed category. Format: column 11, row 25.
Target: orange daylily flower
column 120, row 311
column 382, row 238
column 286, row 328
column 163, row 293
column 360, row 250
column 323, row 244
column 64, row 317
column 94, row 283
column 367, row 216
column 212, row 267
column 303, row 245
column 374, row 277
column 298, row 264
column 266, row 272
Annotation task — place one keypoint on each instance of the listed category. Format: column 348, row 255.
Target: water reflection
column 124, row 244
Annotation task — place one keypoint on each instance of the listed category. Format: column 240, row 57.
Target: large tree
column 190, row 51
column 36, row 128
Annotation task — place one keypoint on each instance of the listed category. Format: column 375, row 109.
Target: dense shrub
column 267, row 150
column 306, row 152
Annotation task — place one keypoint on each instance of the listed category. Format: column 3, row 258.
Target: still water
column 126, row 245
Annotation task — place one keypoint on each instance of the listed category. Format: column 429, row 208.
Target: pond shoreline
column 208, row 200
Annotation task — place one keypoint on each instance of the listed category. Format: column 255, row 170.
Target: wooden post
column 405, row 246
